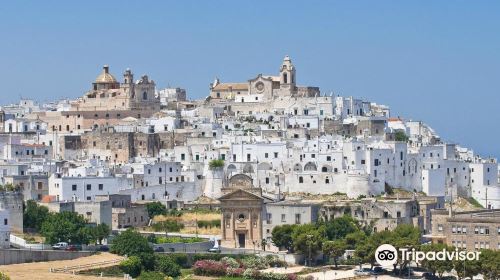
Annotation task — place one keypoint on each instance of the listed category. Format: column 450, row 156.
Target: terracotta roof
column 233, row 86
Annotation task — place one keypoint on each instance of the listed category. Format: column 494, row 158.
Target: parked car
column 159, row 249
column 103, row 248
column 429, row 276
column 73, row 248
column 214, row 250
column 405, row 272
column 378, row 270
column 363, row 272
column 60, row 246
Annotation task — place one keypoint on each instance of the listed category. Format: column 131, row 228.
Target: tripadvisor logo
column 387, row 255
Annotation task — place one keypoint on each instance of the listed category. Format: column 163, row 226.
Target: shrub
column 167, row 266
column 131, row 266
column 235, row 272
column 151, row 275
column 168, row 226
column 216, row 164
column 214, row 257
column 251, row 274
column 180, row 259
column 209, row 268
column 255, row 263
column 230, row 262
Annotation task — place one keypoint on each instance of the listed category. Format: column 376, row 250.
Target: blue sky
column 436, row 61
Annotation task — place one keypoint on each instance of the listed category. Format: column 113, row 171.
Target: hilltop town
column 264, row 151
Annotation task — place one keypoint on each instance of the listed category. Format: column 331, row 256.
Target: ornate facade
column 242, row 212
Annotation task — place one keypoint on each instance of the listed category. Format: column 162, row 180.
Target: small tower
column 128, row 77
column 128, row 83
column 287, row 74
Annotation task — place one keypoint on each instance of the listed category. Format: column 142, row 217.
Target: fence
column 75, row 268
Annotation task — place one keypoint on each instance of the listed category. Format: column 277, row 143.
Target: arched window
column 324, row 169
column 285, row 78
column 301, row 179
column 145, row 96
column 327, row 181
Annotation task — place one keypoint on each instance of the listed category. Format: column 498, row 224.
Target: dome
column 105, row 77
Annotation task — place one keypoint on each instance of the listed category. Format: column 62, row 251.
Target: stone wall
column 27, row 256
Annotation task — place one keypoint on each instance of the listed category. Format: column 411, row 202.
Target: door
column 241, row 240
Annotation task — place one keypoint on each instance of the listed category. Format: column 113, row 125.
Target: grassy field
column 189, row 219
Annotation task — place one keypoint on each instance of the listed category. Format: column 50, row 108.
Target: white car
column 60, row 246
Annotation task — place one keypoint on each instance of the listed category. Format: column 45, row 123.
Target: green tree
column 216, row 164
column 155, row 208
column 65, row 227
column 467, row 269
column 338, row 228
column 282, row 236
column 131, row 266
column 167, row 266
column 437, row 266
column 4, row 276
column 405, row 236
column 151, row 275
column 34, row 215
column 132, row 243
column 400, row 136
column 490, row 264
column 308, row 240
column 100, row 232
column 365, row 249
column 354, row 238
column 334, row 249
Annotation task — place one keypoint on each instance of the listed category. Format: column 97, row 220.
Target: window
column 269, row 218
column 267, row 180
column 183, row 157
column 283, row 218
column 328, row 158
column 275, row 155
column 266, row 155
column 440, row 228
column 73, row 187
column 89, row 187
column 297, row 219
column 5, row 222
column 301, row 180
column 89, row 198
column 363, row 161
column 144, row 96
column 398, row 214
column 40, row 185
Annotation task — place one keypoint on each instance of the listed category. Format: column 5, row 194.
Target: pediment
column 240, row 194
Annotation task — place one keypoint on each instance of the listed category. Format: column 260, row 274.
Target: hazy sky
column 436, row 61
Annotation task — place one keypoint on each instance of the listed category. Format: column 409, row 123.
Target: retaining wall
column 26, row 256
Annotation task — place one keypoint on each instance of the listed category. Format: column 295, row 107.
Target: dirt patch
column 40, row 270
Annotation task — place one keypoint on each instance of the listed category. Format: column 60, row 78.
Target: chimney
column 106, row 68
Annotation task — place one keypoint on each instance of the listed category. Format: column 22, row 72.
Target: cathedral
column 262, row 87
column 106, row 103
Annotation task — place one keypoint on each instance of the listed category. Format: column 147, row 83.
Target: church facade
column 106, row 103
column 242, row 208
column 262, row 88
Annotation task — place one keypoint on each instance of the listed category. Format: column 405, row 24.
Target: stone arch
column 231, row 168
column 297, row 167
column 310, row 166
column 248, row 168
column 264, row 166
column 326, row 168
column 240, row 181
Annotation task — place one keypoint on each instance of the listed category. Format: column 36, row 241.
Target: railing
column 73, row 269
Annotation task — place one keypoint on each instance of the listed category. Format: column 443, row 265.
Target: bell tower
column 287, row 74
column 128, row 82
